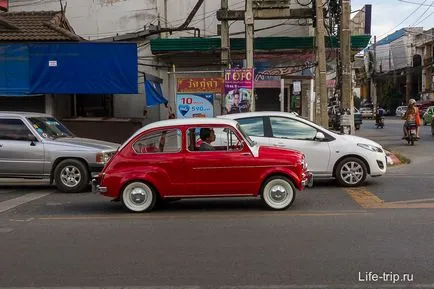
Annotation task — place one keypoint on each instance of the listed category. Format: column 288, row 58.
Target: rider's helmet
column 412, row 101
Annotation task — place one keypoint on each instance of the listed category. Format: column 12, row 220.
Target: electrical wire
column 423, row 20
column 405, row 19
column 207, row 14
column 426, row 10
column 415, row 3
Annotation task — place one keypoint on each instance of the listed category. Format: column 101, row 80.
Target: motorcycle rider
column 411, row 115
column 379, row 116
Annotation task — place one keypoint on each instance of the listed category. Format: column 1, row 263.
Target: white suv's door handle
column 279, row 144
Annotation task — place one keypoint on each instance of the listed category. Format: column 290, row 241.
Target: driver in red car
column 207, row 135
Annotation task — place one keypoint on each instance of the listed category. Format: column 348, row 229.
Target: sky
column 391, row 15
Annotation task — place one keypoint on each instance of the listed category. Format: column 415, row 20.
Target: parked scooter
column 411, row 132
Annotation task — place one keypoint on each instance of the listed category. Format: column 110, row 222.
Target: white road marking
column 5, row 230
column 13, row 203
column 22, row 220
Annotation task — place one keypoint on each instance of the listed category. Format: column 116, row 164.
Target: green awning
column 162, row 45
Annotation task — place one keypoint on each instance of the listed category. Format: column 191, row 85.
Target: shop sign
column 199, row 85
column 238, row 90
column 189, row 105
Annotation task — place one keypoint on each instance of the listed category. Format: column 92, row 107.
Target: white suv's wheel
column 351, row 172
column 138, row 197
column 278, row 193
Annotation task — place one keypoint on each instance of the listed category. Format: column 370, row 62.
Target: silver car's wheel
column 351, row 172
column 138, row 197
column 71, row 176
column 278, row 193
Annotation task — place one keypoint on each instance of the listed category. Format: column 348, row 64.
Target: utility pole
column 266, row 11
column 249, row 22
column 374, row 70
column 316, row 103
column 225, row 42
column 347, row 86
column 321, row 68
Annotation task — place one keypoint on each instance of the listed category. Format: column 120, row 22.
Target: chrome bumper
column 307, row 180
column 97, row 188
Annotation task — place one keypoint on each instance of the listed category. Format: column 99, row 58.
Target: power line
column 426, row 10
column 411, row 14
column 415, row 3
column 421, row 21
column 207, row 15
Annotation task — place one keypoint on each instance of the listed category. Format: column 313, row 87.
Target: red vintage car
column 166, row 160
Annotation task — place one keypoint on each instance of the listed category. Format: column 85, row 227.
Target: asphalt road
column 331, row 237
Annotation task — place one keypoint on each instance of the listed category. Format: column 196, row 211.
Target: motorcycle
column 379, row 121
column 411, row 132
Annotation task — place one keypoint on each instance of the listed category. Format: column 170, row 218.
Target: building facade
column 113, row 20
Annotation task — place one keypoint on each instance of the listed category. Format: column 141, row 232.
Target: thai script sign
column 197, row 85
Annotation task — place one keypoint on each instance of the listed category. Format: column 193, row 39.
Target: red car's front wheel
column 278, row 193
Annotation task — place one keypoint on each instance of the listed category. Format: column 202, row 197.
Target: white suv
column 349, row 159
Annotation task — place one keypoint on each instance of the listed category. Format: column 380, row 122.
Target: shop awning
column 154, row 94
column 14, row 70
column 163, row 45
column 68, row 68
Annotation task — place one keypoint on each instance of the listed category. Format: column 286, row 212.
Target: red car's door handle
column 245, row 154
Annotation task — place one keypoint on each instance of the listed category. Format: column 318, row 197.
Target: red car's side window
column 162, row 141
column 213, row 139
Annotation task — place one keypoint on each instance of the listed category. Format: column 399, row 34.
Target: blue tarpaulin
column 154, row 94
column 68, row 68
column 14, row 70
column 84, row 68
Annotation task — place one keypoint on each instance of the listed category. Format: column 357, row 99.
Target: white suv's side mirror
column 319, row 136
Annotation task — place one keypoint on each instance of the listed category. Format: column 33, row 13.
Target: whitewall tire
column 278, row 193
column 138, row 197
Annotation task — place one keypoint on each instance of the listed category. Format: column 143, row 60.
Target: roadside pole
column 322, row 66
column 249, row 22
column 347, row 87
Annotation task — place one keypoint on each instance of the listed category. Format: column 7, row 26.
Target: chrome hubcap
column 138, row 196
column 70, row 176
column 278, row 193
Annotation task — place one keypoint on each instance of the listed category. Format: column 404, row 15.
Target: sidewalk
column 392, row 159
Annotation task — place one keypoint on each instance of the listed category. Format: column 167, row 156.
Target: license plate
column 413, row 131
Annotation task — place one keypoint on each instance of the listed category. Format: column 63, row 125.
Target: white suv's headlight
column 370, row 147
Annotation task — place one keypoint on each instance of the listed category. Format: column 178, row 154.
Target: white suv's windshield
column 49, row 127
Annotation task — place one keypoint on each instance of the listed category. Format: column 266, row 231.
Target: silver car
column 37, row 146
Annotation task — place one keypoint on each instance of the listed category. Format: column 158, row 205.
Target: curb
column 392, row 159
